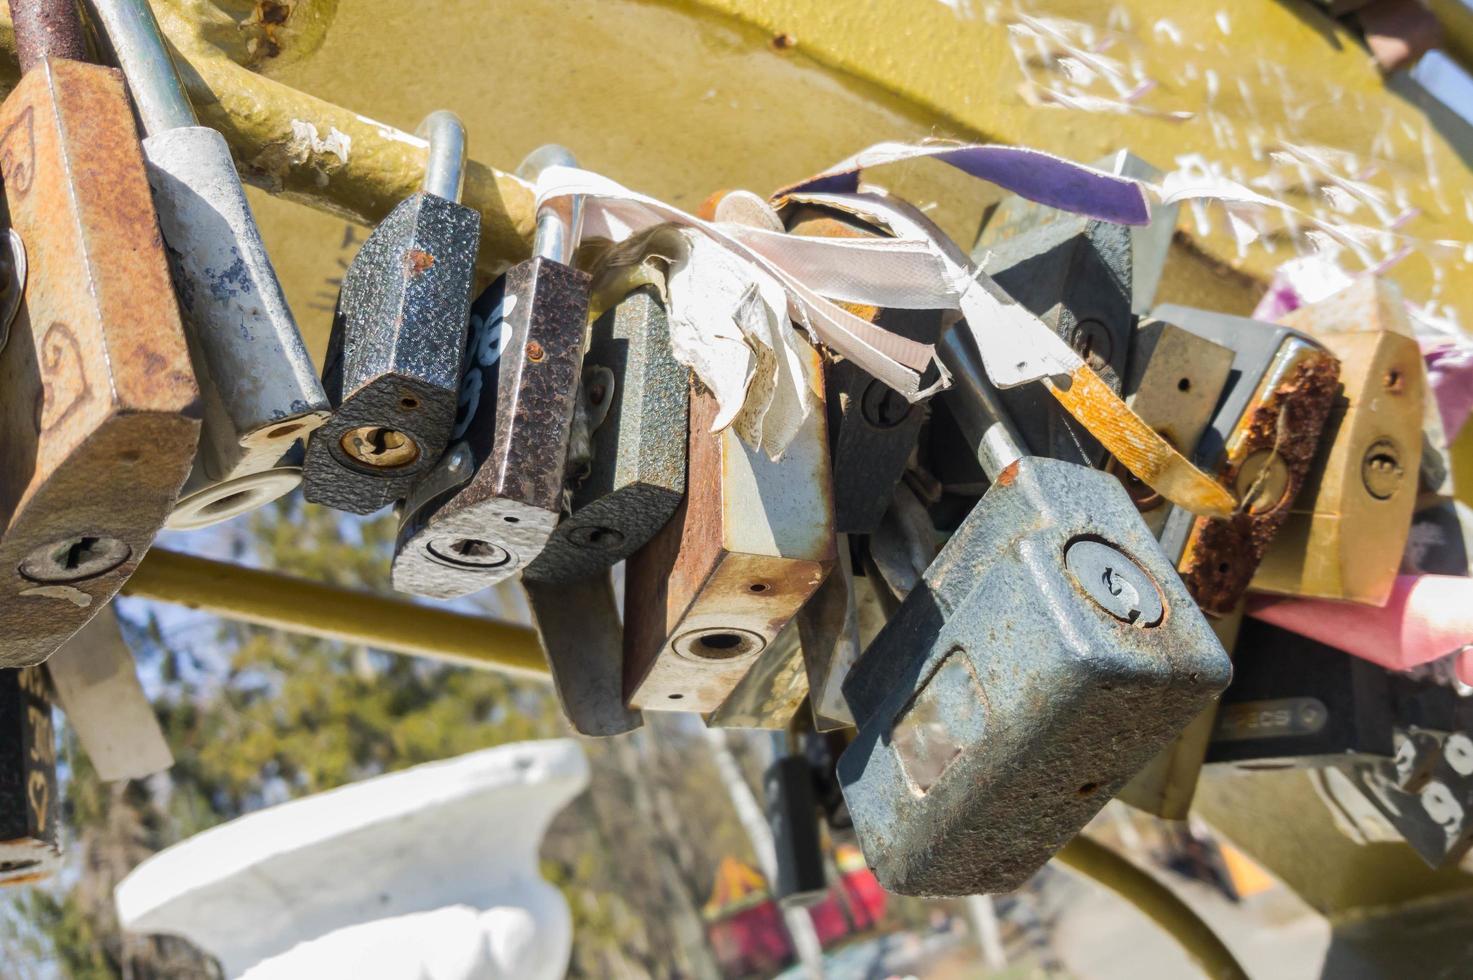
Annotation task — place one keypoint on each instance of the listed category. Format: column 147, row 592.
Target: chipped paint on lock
column 69, row 593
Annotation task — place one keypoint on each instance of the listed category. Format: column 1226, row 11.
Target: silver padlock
column 259, row 389
column 487, row 510
column 1048, row 652
column 398, row 340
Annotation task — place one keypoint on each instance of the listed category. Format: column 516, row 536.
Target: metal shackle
column 445, row 168
column 560, row 224
column 975, row 403
column 138, row 46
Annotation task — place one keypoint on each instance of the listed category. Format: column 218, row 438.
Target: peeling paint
column 73, row 595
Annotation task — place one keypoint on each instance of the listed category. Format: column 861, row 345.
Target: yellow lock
column 1348, row 526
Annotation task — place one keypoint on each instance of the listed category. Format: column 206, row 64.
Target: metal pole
column 138, row 45
column 975, row 404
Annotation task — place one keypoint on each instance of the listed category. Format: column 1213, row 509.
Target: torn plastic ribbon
column 1034, row 174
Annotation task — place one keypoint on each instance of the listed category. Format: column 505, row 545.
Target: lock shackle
column 47, row 29
column 560, row 223
column 445, row 167
column 138, row 47
column 975, row 404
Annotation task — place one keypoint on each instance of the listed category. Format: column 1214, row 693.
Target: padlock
column 1048, row 652
column 259, row 389
column 752, row 541
column 487, row 510
column 394, row 356
column 1261, row 443
column 29, row 848
column 828, row 632
column 1426, row 793
column 872, row 428
column 96, row 685
column 1074, row 273
column 578, row 625
column 772, row 691
column 636, row 475
column 792, row 816
column 100, row 416
column 1150, row 244
column 1347, row 528
column 1173, row 381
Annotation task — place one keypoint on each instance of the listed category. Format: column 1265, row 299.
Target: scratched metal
column 29, row 848
column 395, row 353
column 1001, row 707
column 1075, row 274
column 100, row 417
column 583, row 638
column 261, row 392
column 636, row 477
column 516, row 412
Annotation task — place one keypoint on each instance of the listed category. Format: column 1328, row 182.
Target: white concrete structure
column 427, row 873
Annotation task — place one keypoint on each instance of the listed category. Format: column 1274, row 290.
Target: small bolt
column 75, row 558
column 535, row 353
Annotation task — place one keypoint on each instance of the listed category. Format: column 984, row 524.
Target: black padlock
column 488, row 508
column 792, row 814
column 394, row 357
column 635, row 476
column 28, row 796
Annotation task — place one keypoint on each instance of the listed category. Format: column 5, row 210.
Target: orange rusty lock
column 100, row 415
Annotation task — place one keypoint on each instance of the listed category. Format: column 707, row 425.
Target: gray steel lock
column 583, row 638
column 394, row 358
column 636, row 477
column 259, row 389
column 1048, row 652
column 487, row 510
column 1075, row 274
column 29, row 802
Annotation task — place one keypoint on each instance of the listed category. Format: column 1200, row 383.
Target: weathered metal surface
column 1075, row 275
column 96, row 685
column 99, row 392
column 1347, row 528
column 394, row 360
column 752, row 541
column 578, row 624
column 1149, row 244
column 985, row 702
column 828, row 632
column 1261, row 443
column 46, row 29
column 516, row 412
column 1173, row 380
column 792, row 815
column 636, row 477
column 29, row 801
column 773, row 689
column 872, row 429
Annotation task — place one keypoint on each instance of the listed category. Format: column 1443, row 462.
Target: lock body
column 493, row 517
column 1075, row 275
column 1347, row 528
column 29, row 849
column 578, row 625
column 748, row 546
column 1049, row 651
column 828, row 632
column 771, row 692
column 792, row 815
column 1261, row 443
column 636, row 476
column 259, row 389
column 99, row 390
column 394, row 357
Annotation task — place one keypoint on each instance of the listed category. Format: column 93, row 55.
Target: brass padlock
column 1347, row 528
column 101, row 414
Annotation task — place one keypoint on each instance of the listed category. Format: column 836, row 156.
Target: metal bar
column 138, row 45
column 332, row 612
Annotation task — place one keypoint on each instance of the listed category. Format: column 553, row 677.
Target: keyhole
column 379, row 446
column 472, row 548
column 79, row 552
column 1112, row 584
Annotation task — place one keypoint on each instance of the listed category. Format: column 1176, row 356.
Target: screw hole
column 1185, row 384
column 784, row 41
column 1087, row 789
column 758, row 587
column 721, row 641
column 409, row 403
column 1224, row 568
column 676, row 697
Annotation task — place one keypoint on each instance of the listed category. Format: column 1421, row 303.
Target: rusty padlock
column 101, row 413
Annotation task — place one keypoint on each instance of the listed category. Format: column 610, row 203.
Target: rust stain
column 1008, row 475
column 1222, row 554
column 417, row 261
